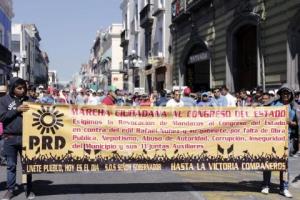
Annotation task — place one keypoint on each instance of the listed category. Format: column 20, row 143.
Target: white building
column 146, row 40
column 52, row 78
column 132, row 43
column 32, row 63
column 106, row 58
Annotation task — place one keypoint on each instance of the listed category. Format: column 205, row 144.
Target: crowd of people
column 11, row 109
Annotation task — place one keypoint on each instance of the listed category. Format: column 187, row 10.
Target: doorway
column 245, row 57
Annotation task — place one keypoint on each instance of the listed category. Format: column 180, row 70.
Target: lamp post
column 133, row 61
column 17, row 64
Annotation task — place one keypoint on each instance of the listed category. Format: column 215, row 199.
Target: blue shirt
column 292, row 113
column 218, row 102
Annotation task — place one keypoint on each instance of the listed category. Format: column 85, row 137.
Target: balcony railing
column 146, row 18
column 180, row 7
column 124, row 38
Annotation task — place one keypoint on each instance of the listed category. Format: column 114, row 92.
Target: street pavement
column 156, row 185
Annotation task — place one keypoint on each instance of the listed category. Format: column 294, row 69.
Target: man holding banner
column 11, row 116
column 286, row 98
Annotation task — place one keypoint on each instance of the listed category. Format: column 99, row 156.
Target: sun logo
column 47, row 119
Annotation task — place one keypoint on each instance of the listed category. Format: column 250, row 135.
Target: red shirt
column 108, row 100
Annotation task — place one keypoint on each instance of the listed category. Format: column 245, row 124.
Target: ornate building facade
column 238, row 43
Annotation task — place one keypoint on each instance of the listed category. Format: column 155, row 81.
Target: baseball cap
column 187, row 91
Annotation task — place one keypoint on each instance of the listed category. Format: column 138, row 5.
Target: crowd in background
column 216, row 97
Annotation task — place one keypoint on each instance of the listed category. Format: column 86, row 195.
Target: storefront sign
column 198, row 57
column 60, row 139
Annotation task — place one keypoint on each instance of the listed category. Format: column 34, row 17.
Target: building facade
column 33, row 63
column 52, row 78
column 6, row 14
column 155, row 19
column 132, row 38
column 146, row 44
column 106, row 58
column 238, row 43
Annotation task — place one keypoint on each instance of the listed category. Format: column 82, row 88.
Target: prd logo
column 47, row 119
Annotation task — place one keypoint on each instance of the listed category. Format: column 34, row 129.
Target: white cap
column 271, row 92
column 248, row 92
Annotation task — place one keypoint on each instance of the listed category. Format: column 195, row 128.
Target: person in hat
column 205, row 102
column 286, row 97
column 187, row 100
column 11, row 109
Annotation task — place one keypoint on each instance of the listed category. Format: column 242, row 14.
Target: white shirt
column 93, row 100
column 173, row 103
column 231, row 100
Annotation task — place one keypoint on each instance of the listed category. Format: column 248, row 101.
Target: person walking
column 11, row 109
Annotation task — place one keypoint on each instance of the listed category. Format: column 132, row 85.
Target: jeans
column 13, row 147
column 284, row 182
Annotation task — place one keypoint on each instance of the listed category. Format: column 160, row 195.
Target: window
column 15, row 46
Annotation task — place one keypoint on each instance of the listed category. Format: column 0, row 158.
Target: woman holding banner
column 286, row 97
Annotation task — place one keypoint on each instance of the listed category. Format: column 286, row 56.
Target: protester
column 11, row 109
column 218, row 100
column 205, row 102
column 111, row 98
column 243, row 99
column 286, row 97
column 47, row 98
column 162, row 100
column 231, row 100
column 175, row 101
column 186, row 99
column 93, row 99
column 32, row 94
column 266, row 98
column 80, row 98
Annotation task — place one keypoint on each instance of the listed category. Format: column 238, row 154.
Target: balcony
column 146, row 18
column 124, row 38
column 181, row 8
column 5, row 55
column 158, row 7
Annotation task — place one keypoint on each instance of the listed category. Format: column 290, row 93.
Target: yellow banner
column 70, row 138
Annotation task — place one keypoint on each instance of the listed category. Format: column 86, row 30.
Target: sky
column 67, row 28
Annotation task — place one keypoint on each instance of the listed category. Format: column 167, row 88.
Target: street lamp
column 133, row 61
column 17, row 64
